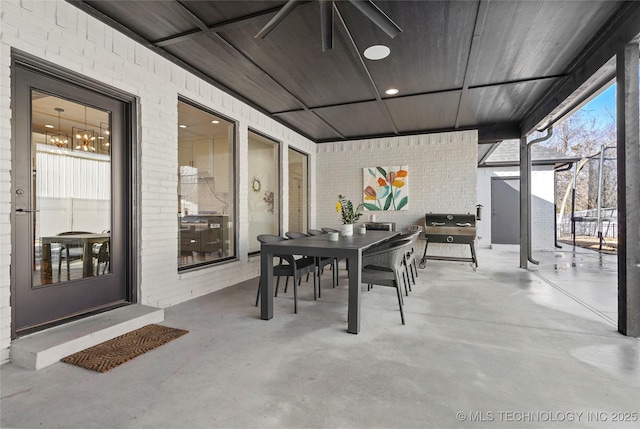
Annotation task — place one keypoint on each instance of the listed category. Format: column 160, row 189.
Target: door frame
column 503, row 179
column 307, row 181
column 130, row 201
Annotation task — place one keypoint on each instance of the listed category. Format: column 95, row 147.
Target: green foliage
column 347, row 213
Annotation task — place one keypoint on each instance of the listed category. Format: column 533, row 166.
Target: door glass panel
column 264, row 198
column 206, row 183
column 298, row 185
column 71, row 179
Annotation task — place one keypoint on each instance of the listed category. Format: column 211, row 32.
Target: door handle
column 27, row 211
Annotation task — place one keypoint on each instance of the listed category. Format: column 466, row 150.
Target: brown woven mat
column 108, row 355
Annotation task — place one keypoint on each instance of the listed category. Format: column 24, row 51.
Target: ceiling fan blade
column 326, row 24
column 377, row 16
column 277, row 18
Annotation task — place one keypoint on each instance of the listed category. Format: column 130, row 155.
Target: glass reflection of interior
column 263, row 198
column 71, row 158
column 205, row 187
column 298, row 197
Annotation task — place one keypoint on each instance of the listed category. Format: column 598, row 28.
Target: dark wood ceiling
column 499, row 66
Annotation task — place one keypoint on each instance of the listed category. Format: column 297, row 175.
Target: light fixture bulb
column 377, row 52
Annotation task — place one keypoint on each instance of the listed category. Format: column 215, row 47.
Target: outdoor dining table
column 349, row 248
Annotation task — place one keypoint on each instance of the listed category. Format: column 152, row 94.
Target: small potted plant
column 348, row 214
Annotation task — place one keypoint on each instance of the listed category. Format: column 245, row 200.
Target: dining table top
column 321, row 242
column 72, row 238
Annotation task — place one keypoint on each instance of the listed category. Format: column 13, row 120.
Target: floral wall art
column 386, row 188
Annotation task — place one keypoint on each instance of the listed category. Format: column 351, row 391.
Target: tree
column 582, row 135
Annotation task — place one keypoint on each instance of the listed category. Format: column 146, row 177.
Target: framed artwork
column 386, row 188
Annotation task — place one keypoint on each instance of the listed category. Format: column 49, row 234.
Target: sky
column 604, row 105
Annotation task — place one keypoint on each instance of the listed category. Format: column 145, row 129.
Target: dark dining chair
column 295, row 234
column 384, row 267
column 337, row 260
column 384, row 246
column 103, row 256
column 293, row 267
column 292, row 235
column 411, row 267
column 315, row 232
column 70, row 252
column 320, row 262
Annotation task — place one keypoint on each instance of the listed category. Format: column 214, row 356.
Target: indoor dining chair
column 103, row 256
column 70, row 252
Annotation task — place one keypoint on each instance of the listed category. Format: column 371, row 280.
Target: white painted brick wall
column 542, row 211
column 62, row 34
column 440, row 166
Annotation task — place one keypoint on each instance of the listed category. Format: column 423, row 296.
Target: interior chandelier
column 86, row 137
column 367, row 8
column 104, row 140
column 59, row 140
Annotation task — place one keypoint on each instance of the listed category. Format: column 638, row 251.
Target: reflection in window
column 298, row 184
column 205, row 187
column 264, row 183
column 72, row 184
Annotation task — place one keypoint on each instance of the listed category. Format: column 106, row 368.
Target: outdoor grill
column 452, row 229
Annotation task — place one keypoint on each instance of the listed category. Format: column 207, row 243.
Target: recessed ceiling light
column 215, row 122
column 377, row 52
column 182, row 126
column 48, row 126
column 391, row 91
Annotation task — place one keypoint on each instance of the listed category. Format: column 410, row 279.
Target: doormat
column 108, row 355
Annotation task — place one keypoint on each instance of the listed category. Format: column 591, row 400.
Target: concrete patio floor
column 496, row 347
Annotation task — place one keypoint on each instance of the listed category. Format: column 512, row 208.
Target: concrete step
column 42, row 349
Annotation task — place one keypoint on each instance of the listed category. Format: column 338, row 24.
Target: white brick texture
column 439, row 166
column 58, row 32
